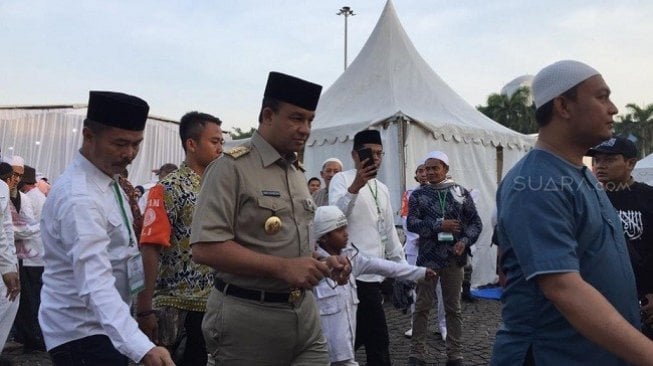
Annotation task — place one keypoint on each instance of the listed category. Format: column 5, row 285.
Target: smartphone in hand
column 366, row 153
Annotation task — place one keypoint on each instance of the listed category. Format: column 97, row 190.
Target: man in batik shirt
column 175, row 285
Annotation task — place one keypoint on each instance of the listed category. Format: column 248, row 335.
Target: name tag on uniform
column 271, row 193
column 445, row 236
column 136, row 274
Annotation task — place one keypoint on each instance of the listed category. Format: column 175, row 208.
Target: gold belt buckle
column 295, row 296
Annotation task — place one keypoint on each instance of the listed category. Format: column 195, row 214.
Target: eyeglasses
column 376, row 153
column 17, row 175
column 379, row 154
column 350, row 254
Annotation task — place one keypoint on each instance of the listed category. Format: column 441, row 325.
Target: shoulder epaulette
column 238, row 151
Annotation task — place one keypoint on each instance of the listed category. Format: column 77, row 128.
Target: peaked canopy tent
column 47, row 137
column 391, row 88
column 643, row 171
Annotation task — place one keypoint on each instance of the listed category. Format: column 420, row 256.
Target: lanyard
column 122, row 211
column 443, row 202
column 375, row 194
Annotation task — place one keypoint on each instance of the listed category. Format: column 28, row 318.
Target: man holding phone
column 366, row 203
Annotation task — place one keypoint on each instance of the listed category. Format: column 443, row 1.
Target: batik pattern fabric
column 181, row 283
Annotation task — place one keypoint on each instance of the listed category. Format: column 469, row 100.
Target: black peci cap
column 117, row 110
column 367, row 137
column 292, row 90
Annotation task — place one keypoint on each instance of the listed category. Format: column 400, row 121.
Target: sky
column 214, row 56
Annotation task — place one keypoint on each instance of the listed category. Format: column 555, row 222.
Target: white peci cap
column 437, row 155
column 327, row 219
column 557, row 78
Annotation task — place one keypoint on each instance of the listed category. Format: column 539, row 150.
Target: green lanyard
column 375, row 194
column 443, row 202
column 122, row 211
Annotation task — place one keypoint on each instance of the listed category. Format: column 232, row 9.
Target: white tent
column 391, row 88
column 48, row 136
column 643, row 171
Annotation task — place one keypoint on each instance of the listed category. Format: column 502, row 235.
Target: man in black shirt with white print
column 613, row 162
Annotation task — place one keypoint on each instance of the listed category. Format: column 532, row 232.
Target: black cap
column 367, row 137
column 292, row 90
column 615, row 145
column 117, row 110
column 29, row 176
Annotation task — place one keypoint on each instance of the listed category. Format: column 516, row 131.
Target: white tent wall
column 473, row 165
column 390, row 87
column 643, row 171
column 59, row 135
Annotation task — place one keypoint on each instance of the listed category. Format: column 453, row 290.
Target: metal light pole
column 346, row 11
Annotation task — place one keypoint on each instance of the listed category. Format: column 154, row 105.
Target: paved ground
column 481, row 320
column 480, row 323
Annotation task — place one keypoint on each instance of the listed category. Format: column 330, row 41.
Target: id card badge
column 135, row 273
column 444, row 236
column 382, row 231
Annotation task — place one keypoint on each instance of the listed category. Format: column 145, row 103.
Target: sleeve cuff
column 138, row 347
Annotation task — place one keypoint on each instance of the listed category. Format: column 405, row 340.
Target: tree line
column 517, row 112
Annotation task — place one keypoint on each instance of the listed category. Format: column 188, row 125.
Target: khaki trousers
column 247, row 332
column 451, row 279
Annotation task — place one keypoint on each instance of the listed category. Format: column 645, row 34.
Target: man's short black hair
column 95, row 127
column 192, row 124
column 272, row 103
column 544, row 114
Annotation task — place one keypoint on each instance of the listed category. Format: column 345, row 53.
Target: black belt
column 265, row 296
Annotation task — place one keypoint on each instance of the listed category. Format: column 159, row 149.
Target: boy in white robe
column 338, row 304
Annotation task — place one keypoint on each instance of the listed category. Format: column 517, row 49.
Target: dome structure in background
column 521, row 81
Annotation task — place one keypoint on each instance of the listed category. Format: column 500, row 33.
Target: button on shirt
column 238, row 195
column 553, row 219
column 85, row 285
column 363, row 219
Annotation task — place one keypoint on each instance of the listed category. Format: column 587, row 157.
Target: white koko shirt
column 85, row 285
column 37, row 198
column 338, row 305
column 363, row 219
column 8, row 261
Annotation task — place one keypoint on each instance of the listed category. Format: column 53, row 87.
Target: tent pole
column 403, row 132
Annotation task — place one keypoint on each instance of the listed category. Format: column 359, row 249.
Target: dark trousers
column 191, row 350
column 371, row 329
column 95, row 350
column 28, row 331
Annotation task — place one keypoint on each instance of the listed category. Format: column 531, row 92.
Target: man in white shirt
column 10, row 285
column 92, row 264
column 366, row 203
column 28, row 331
